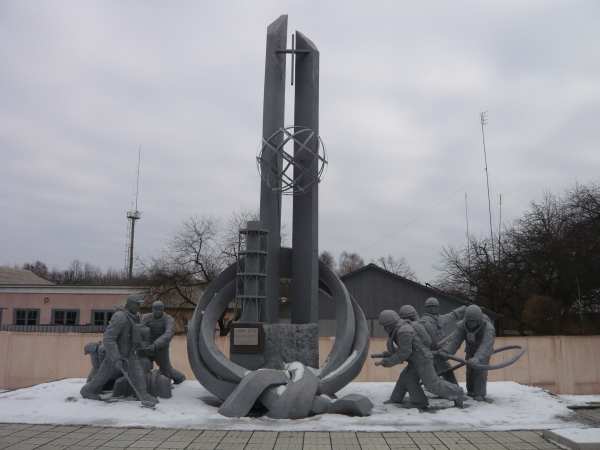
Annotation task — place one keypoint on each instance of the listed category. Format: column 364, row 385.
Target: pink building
column 26, row 299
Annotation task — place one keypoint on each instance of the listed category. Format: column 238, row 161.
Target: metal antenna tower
column 483, row 117
column 133, row 215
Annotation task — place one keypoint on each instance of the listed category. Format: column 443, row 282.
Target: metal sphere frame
column 291, row 185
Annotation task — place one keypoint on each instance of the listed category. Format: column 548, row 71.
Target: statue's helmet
column 136, row 300
column 388, row 318
column 138, row 297
column 432, row 304
column 473, row 313
column 158, row 305
column 408, row 312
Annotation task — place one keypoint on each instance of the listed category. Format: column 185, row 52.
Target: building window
column 27, row 316
column 101, row 318
column 65, row 316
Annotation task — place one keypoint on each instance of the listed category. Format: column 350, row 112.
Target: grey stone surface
column 352, row 405
column 305, row 234
column 296, row 401
column 214, row 358
column 273, row 120
column 242, row 399
column 285, row 343
column 576, row 439
column 352, row 365
column 345, row 320
column 217, row 386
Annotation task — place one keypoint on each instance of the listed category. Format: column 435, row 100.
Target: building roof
column 70, row 289
column 9, row 276
column 426, row 289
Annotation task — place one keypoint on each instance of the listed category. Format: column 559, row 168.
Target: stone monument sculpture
column 478, row 333
column 439, row 326
column 121, row 341
column 162, row 330
column 274, row 364
column 409, row 341
column 422, row 344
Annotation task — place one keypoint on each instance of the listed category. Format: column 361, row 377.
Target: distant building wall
column 561, row 364
column 45, row 299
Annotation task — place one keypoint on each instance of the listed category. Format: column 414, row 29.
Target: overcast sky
column 84, row 84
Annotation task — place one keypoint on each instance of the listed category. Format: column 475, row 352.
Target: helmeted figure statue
column 162, row 330
column 439, row 326
column 121, row 340
column 410, row 342
column 408, row 381
column 477, row 331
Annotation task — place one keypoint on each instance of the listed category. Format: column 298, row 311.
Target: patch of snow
column 513, row 406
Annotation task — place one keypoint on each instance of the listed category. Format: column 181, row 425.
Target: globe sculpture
column 274, row 364
column 276, row 146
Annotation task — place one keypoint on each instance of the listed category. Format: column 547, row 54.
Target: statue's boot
column 86, row 392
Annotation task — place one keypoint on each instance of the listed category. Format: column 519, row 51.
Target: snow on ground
column 513, row 406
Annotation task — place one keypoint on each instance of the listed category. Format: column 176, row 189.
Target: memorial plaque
column 247, row 337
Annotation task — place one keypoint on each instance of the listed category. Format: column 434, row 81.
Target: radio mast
column 132, row 216
column 483, row 117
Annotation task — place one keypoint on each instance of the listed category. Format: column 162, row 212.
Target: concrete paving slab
column 575, row 438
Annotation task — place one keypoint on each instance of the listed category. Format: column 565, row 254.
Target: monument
column 420, row 343
column 275, row 364
column 119, row 362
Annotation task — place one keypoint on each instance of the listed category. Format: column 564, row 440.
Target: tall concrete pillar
column 270, row 199
column 305, row 232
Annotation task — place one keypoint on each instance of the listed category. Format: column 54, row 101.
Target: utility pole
column 483, row 117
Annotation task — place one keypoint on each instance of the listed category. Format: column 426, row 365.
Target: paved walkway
column 49, row 437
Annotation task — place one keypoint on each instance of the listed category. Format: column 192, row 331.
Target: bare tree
column 398, row 266
column 230, row 233
column 547, row 272
column 201, row 249
column 38, row 267
column 349, row 262
column 327, row 258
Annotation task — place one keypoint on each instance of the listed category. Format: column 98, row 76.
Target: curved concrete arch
column 345, row 320
column 221, row 366
column 352, row 366
column 214, row 384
